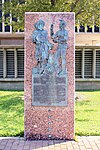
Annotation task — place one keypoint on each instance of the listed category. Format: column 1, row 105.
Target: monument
column 49, row 75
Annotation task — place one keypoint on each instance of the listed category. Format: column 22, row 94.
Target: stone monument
column 49, row 75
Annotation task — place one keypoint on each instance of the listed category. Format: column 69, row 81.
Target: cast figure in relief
column 40, row 38
column 60, row 37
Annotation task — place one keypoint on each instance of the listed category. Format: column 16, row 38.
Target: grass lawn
column 87, row 116
column 87, row 113
column 11, row 113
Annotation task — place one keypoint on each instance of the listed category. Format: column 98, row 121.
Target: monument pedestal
column 49, row 98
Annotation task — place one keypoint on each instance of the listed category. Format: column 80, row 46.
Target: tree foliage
column 86, row 11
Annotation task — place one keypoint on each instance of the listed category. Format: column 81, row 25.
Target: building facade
column 87, row 58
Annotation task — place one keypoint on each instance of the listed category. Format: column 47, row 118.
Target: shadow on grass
column 10, row 101
column 87, row 110
column 82, row 120
column 90, row 110
column 21, row 134
column 87, row 90
column 9, row 90
column 86, row 134
column 83, row 102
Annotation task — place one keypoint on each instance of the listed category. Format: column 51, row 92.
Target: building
column 87, row 58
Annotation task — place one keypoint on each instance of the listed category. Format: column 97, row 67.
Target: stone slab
column 49, row 122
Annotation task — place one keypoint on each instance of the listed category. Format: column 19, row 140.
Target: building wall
column 90, row 40
column 13, row 42
column 87, row 39
column 79, row 85
column 87, row 85
column 11, row 85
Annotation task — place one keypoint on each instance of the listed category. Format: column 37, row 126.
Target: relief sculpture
column 46, row 62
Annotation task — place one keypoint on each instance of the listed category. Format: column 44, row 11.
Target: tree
column 86, row 11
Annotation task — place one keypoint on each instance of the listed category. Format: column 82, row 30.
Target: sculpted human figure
column 40, row 38
column 60, row 37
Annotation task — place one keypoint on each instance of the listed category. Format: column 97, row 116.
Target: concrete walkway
column 84, row 143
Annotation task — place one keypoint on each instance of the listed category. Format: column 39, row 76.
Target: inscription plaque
column 49, row 90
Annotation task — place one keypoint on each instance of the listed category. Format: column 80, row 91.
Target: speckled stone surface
column 48, row 122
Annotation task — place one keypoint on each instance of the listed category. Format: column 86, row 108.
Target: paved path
column 84, row 143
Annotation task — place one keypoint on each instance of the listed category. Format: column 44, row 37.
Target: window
column 87, row 63
column 0, row 16
column 96, row 29
column 12, row 63
column 7, row 28
column 98, row 64
column 20, row 63
column 78, row 64
column 76, row 29
column 1, row 63
column 82, row 29
column 87, row 29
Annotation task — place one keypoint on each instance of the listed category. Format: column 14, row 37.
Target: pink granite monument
column 49, row 75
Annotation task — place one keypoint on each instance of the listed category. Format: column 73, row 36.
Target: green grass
column 87, row 117
column 87, row 113
column 11, row 113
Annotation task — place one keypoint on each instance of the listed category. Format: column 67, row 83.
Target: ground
column 87, row 113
